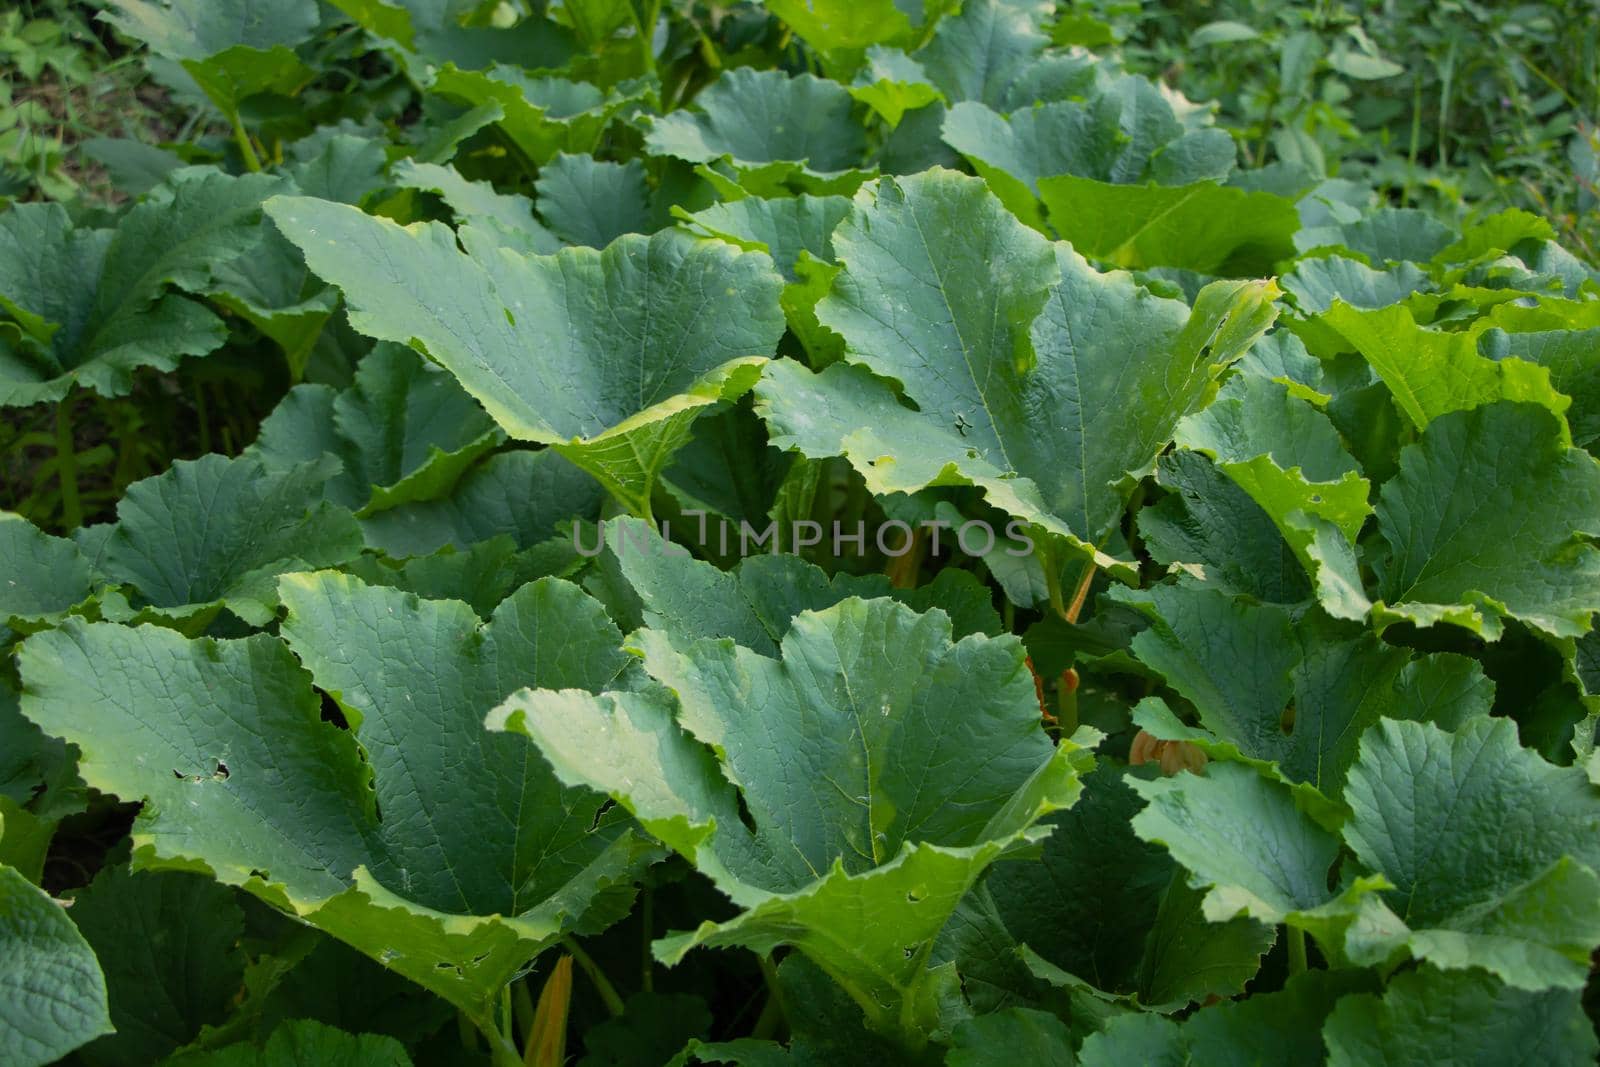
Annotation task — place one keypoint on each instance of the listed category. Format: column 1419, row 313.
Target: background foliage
column 330, row 331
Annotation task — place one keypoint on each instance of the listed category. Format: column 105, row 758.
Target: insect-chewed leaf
column 479, row 858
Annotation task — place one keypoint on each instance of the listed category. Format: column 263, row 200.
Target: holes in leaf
column 331, row 712
column 600, row 813
column 911, row 950
column 510, row 318
column 916, row 896
column 218, row 775
column 744, row 813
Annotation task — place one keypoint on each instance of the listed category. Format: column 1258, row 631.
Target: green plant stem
column 202, row 415
column 646, row 28
column 1267, row 127
column 1081, row 594
column 1297, row 951
column 773, row 1014
column 252, row 162
column 522, row 1008
column 67, row 466
column 1066, row 711
column 602, row 984
column 501, row 1051
column 1416, row 140
column 647, row 922
column 1052, row 584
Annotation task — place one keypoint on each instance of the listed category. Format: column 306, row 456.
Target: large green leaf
column 1128, row 134
column 1572, row 356
column 824, row 1028
column 429, row 33
column 1241, row 836
column 842, row 25
column 526, row 496
column 1020, row 357
column 588, row 201
column 1432, row 372
column 1428, row 1016
column 756, row 602
column 1209, row 527
column 504, row 219
column 302, row 1043
column 540, row 115
column 1298, row 691
column 1317, row 282
column 168, row 944
column 196, row 29
column 1204, row 226
column 1282, row 451
column 1281, row 1027
column 1516, row 545
column 609, row 356
column 891, row 83
column 869, row 699
column 217, row 532
column 1032, row 1037
column 728, row 472
column 345, row 167
column 270, row 288
column 232, row 48
column 1385, row 235
column 1434, row 812
column 509, row 838
column 1105, row 907
column 242, row 779
column 52, row 995
column 35, row 770
column 93, row 305
column 796, row 231
column 769, row 127
column 404, row 431
column 47, row 576
column 245, row 705
column 979, row 53
column 1012, row 154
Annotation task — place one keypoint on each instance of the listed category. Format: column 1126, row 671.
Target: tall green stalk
column 67, row 466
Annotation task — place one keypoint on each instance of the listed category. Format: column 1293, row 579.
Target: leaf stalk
column 602, row 984
column 1297, row 951
column 67, row 466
